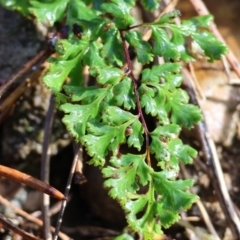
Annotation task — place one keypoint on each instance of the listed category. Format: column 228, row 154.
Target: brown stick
column 29, row 217
column 45, row 167
column 13, row 96
column 64, row 203
column 79, row 177
column 8, row 225
column 19, row 211
column 44, row 54
column 30, row 181
column 202, row 10
column 202, row 209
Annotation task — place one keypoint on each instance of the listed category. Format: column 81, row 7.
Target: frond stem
column 135, row 84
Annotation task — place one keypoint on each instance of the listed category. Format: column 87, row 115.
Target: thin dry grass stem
column 79, row 177
column 9, row 225
column 29, row 217
column 226, row 67
column 223, row 188
column 233, row 125
column 64, row 203
column 193, row 218
column 194, row 233
column 13, row 96
column 207, row 219
column 86, row 75
column 201, row 207
column 234, row 82
column 195, row 82
column 62, row 235
column 55, row 208
column 170, row 6
column 201, row 9
column 215, row 170
column 189, row 229
column 20, row 212
column 45, row 167
column 41, row 56
column 7, row 102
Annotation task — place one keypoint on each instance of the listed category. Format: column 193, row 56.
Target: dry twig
column 30, row 181
column 202, row 10
column 64, row 203
column 201, row 208
column 197, row 231
column 211, row 158
column 46, row 167
column 8, row 225
column 79, row 177
column 42, row 56
column 29, row 217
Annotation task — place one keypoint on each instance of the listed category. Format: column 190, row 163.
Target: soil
column 90, row 213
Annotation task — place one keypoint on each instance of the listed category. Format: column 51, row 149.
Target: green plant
column 113, row 111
